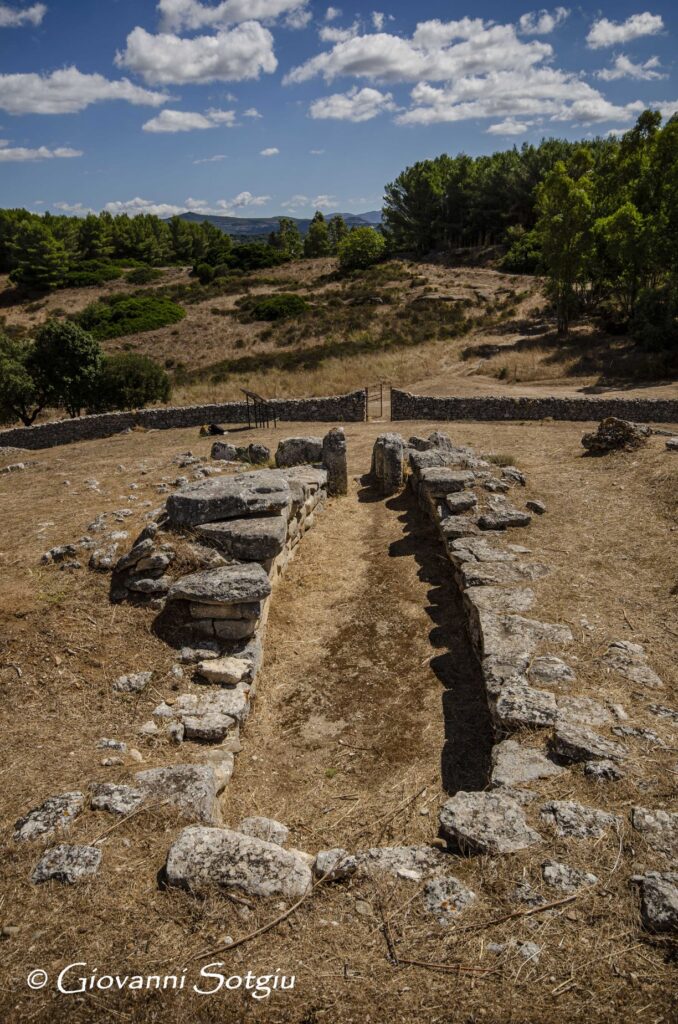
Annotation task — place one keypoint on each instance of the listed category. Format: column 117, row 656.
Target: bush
column 143, row 275
column 655, row 323
column 278, row 307
column 256, row 256
column 65, row 363
column 90, row 272
column 360, row 249
column 129, row 381
column 524, row 255
column 204, row 272
column 123, row 314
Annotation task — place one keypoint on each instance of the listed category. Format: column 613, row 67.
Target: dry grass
column 355, row 704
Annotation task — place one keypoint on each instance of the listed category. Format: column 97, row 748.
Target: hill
column 261, row 227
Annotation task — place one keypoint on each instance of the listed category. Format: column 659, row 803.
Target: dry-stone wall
column 540, row 731
column 406, row 406
column 337, row 408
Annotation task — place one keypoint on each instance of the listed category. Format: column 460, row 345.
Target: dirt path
column 369, row 692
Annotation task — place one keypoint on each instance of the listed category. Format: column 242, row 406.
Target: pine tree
column 317, row 241
column 40, row 261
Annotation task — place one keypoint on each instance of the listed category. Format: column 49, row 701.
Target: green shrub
column 360, row 249
column 143, row 275
column 655, row 323
column 256, row 256
column 524, row 256
column 278, row 307
column 129, row 381
column 204, row 272
column 90, row 272
column 124, row 314
column 65, row 362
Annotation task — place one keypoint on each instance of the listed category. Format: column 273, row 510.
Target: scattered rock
column 297, row 451
column 203, row 857
column 334, row 865
column 513, row 474
column 446, row 898
column 658, row 900
column 563, row 877
column 486, row 823
column 268, row 829
column 614, row 434
column 659, row 828
column 411, row 862
column 572, row 819
column 190, row 788
column 57, row 812
column 548, row 670
column 536, row 506
column 603, row 771
column 133, row 683
column 672, row 444
column 116, row 799
column 574, row 743
column 630, row 661
column 67, row 864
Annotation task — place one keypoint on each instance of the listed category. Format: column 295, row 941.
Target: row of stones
column 247, row 526
column 464, row 499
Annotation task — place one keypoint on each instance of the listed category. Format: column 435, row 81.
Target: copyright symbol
column 37, row 979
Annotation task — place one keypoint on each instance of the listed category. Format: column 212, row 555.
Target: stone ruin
column 246, row 528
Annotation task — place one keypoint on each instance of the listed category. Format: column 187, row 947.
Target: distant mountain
column 261, row 227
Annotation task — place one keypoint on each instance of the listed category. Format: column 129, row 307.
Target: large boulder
column 203, row 857
column 249, row 540
column 614, row 434
column 298, row 451
column 264, row 492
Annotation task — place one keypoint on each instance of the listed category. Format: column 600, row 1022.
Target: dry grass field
column 367, row 712
column 428, row 326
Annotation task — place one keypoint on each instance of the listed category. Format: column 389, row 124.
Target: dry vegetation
column 426, row 326
column 365, row 704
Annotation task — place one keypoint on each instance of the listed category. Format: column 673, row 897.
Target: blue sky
column 258, row 107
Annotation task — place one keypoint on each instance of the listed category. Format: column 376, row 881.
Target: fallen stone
column 222, row 761
column 583, row 711
column 548, row 670
column 237, row 583
column 149, row 586
column 249, row 540
column 190, row 788
column 268, row 829
column 133, row 683
column 116, row 799
column 518, row 705
column 141, row 550
column 659, row 829
column 630, row 661
column 536, row 506
column 574, row 743
column 211, row 717
column 459, row 502
column 513, row 474
column 495, row 486
column 486, row 823
column 505, row 519
column 334, row 865
column 223, row 451
column 67, row 864
column 614, row 434
column 57, row 812
column 295, row 451
column 573, row 819
column 199, row 651
column 446, row 898
column 514, row 764
column 258, row 454
column 59, row 554
column 603, row 771
column 672, row 444
column 203, row 857
column 409, row 862
column 658, row 900
column 565, row 878
column 265, row 492
column 227, row 670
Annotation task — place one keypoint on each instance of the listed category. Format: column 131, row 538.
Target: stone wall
column 336, row 408
column 405, row 406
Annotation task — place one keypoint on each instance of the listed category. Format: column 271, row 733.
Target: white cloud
column 316, row 152
column 338, row 35
column 68, row 91
column 187, row 121
column 509, row 127
column 301, row 202
column 20, row 154
column 271, row 151
column 298, row 18
column 332, row 13
column 549, row 92
column 623, row 67
column 10, row 17
column 378, row 20
column 355, row 105
column 253, row 113
column 437, row 51
column 211, row 159
column 608, row 33
column 177, row 15
column 230, row 55
column 74, row 209
column 134, row 207
column 541, row 23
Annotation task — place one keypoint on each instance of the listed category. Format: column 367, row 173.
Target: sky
column 266, row 107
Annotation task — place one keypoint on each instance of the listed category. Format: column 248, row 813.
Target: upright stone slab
column 335, row 461
column 387, row 462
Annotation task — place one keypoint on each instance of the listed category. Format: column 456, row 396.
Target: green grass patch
column 284, row 306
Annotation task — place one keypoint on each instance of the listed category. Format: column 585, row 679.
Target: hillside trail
column 369, row 693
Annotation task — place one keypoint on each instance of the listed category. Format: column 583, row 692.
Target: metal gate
column 378, row 401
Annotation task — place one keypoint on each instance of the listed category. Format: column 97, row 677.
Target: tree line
column 599, row 218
